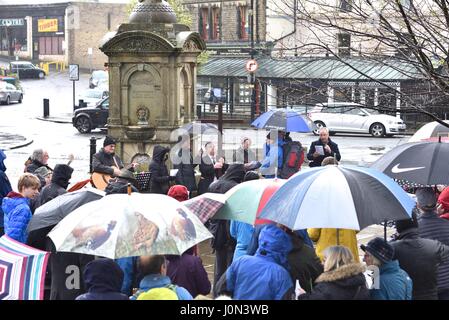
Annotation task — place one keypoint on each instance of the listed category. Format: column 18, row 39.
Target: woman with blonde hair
column 342, row 278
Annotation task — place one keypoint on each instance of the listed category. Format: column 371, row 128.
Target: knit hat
column 42, row 171
column 404, row 225
column 108, row 141
column 426, row 198
column 179, row 192
column 380, row 249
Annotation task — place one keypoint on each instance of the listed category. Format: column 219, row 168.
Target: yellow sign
column 47, row 25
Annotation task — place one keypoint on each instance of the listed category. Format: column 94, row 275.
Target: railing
column 59, row 66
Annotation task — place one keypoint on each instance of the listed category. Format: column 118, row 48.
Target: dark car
column 26, row 69
column 86, row 119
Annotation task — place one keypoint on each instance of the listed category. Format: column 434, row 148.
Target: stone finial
column 152, row 11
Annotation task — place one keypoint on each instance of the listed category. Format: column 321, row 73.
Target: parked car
column 9, row 92
column 91, row 97
column 26, row 69
column 301, row 109
column 98, row 78
column 354, row 118
column 89, row 118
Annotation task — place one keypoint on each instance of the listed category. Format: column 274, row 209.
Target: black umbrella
column 423, row 163
column 52, row 212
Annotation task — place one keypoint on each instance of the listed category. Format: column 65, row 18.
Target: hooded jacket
column 263, row 276
column 420, row 258
column 17, row 215
column 103, row 280
column 186, row 170
column 59, row 183
column 159, row 281
column 344, row 283
column 5, row 185
column 159, row 180
column 221, row 228
column 103, row 162
column 273, row 154
column 394, row 283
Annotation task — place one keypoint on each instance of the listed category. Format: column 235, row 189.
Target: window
column 344, row 44
column 345, row 5
column 204, row 23
column 242, row 22
column 50, row 45
column 215, row 24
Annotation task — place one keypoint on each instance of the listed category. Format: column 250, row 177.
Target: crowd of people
column 263, row 262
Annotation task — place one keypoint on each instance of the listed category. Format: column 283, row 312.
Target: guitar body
column 100, row 180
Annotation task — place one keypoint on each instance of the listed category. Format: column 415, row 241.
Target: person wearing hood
column 160, row 179
column 106, row 161
column 394, row 283
column 342, row 279
column 39, row 158
column 222, row 242
column 102, row 280
column 263, row 276
column 5, row 187
column 44, row 176
column 419, row 257
column 186, row 168
column 59, row 183
column 16, row 207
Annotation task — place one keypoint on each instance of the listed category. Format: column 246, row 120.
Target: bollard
column 46, row 108
column 93, row 150
column 80, row 103
column 198, row 111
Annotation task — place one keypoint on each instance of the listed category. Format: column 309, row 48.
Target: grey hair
column 324, row 129
column 38, row 155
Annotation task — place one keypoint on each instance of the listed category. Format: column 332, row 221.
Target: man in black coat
column 322, row 148
column 39, row 158
column 419, row 257
column 223, row 243
column 106, row 161
column 210, row 168
column 186, row 168
column 160, row 179
column 59, row 183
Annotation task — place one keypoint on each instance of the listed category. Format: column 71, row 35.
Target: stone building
column 54, row 30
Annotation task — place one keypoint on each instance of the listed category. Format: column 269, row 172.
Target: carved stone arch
column 138, row 67
column 137, row 42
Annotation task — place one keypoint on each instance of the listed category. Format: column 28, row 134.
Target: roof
column 306, row 68
column 50, row 2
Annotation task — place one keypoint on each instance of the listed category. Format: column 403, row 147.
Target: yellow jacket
column 325, row 238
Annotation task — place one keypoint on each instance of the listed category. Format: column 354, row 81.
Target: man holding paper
column 322, row 148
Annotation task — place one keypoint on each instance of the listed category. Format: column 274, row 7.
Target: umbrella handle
column 129, row 189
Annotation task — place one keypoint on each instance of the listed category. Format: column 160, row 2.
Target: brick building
column 58, row 31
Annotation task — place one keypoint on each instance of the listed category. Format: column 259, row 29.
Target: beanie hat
column 403, row 225
column 426, row 198
column 158, row 294
column 380, row 249
column 179, row 192
column 108, row 141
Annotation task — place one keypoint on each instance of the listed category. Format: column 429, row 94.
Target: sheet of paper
column 320, row 150
column 173, row 172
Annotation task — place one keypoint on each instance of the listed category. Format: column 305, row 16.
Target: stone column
column 114, row 93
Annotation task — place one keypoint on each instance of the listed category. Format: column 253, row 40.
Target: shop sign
column 11, row 22
column 47, row 25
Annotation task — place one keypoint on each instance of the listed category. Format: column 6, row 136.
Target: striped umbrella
column 338, row 197
column 430, row 132
column 246, row 200
column 22, row 271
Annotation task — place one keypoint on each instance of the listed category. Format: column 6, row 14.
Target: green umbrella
column 245, row 201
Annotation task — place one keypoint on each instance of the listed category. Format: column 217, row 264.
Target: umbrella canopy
column 52, row 212
column 245, row 201
column 338, row 197
column 424, row 163
column 22, row 271
column 122, row 225
column 429, row 131
column 198, row 127
column 206, row 205
column 281, row 119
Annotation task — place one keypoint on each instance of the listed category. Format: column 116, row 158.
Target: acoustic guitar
column 101, row 180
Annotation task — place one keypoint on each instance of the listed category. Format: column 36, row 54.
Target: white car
column 9, row 92
column 92, row 96
column 354, row 118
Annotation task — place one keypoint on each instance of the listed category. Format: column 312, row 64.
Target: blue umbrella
column 281, row 119
column 338, row 197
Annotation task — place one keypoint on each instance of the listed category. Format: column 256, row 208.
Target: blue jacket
column 17, row 216
column 394, row 283
column 268, row 163
column 128, row 266
column 243, row 233
column 263, row 276
column 5, row 185
column 159, row 281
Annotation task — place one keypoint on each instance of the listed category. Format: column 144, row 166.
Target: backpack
column 293, row 158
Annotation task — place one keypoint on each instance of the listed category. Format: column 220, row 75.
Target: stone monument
column 152, row 63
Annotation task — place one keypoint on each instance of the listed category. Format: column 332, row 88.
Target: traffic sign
column 74, row 72
column 251, row 66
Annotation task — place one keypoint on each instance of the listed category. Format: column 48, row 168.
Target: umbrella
column 52, row 212
column 22, row 271
column 338, row 197
column 206, row 205
column 419, row 162
column 245, row 200
column 429, row 131
column 122, row 225
column 281, row 119
column 198, row 127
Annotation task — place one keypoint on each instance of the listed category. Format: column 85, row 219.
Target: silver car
column 354, row 118
column 9, row 92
